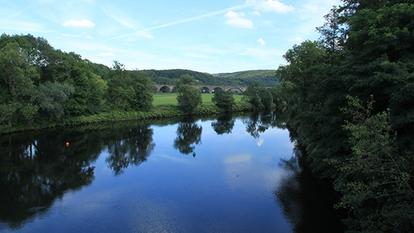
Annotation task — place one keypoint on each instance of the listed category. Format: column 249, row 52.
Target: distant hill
column 243, row 78
column 171, row 76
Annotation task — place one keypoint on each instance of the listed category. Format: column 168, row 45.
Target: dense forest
column 39, row 83
column 348, row 100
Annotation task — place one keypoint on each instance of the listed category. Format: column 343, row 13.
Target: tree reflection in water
column 257, row 123
column 130, row 146
column 223, row 125
column 37, row 169
column 307, row 202
column 188, row 135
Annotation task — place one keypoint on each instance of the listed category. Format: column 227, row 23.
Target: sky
column 209, row 36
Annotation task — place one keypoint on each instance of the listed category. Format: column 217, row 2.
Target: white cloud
column 79, row 23
column 261, row 41
column 275, row 6
column 238, row 20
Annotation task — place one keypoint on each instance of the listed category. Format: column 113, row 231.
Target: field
column 171, row 99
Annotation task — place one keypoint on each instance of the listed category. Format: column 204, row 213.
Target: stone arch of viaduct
column 204, row 89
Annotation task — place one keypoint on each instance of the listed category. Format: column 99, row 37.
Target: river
column 229, row 174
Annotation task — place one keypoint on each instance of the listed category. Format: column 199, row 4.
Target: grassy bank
column 165, row 106
column 171, row 99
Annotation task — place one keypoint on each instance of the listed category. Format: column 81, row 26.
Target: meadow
column 171, row 99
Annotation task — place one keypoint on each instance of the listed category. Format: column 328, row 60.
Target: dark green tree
column 189, row 97
column 143, row 92
column 375, row 184
column 128, row 91
column 51, row 99
column 185, row 79
column 223, row 100
column 266, row 99
column 252, row 94
column 17, row 85
column 365, row 51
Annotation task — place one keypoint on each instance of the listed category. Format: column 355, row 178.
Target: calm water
column 219, row 175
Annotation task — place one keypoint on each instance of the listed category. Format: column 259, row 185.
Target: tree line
column 41, row 84
column 348, row 100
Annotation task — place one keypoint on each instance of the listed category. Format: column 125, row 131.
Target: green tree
column 189, row 98
column 128, row 91
column 223, row 100
column 365, row 50
column 375, row 184
column 51, row 99
column 185, row 79
column 260, row 98
column 252, row 94
column 17, row 85
column 143, row 93
column 266, row 99
column 89, row 94
column 120, row 93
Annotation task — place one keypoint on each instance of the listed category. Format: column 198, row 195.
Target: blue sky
column 209, row 36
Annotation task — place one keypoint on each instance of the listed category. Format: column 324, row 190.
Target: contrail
column 185, row 20
column 195, row 18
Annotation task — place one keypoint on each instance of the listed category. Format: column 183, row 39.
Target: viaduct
column 203, row 89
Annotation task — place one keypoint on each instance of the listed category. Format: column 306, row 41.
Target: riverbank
column 157, row 112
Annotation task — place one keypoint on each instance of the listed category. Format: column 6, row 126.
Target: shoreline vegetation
column 165, row 106
column 348, row 100
column 42, row 87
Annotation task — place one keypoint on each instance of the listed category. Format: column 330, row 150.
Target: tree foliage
column 39, row 83
column 129, row 91
column 189, row 98
column 366, row 51
column 260, row 98
column 375, row 183
column 223, row 100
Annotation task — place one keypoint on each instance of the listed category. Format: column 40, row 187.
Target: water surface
column 230, row 174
